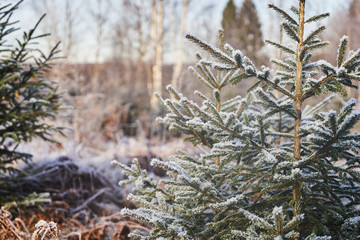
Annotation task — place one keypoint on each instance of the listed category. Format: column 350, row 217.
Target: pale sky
column 85, row 48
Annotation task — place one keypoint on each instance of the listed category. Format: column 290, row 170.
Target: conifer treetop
column 245, row 184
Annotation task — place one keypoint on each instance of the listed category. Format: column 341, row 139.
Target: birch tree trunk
column 179, row 62
column 100, row 17
column 157, row 37
column 150, row 86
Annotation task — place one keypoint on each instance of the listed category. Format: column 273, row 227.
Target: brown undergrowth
column 107, row 227
column 84, row 205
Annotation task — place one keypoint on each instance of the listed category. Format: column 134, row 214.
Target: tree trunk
column 157, row 32
column 298, row 105
column 179, row 62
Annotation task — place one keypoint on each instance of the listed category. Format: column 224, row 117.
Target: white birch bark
column 157, row 24
column 179, row 62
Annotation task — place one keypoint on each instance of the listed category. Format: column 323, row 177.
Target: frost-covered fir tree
column 270, row 168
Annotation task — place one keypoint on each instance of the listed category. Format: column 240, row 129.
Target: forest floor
column 85, row 197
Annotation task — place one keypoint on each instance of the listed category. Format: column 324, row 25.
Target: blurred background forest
column 117, row 53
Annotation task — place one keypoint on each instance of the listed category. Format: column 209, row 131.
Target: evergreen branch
column 285, row 75
column 206, row 72
column 283, row 14
column 200, row 95
column 281, row 134
column 213, row 51
column 224, row 82
column 310, row 47
column 169, row 166
column 276, row 86
column 267, row 99
column 295, row 10
column 326, row 67
column 173, row 92
column 294, row 222
column 177, row 97
column 253, row 86
column 223, row 67
column 314, row 34
column 282, row 64
column 235, row 134
column 292, row 34
column 241, row 109
column 317, row 45
column 346, row 110
column 340, row 88
column 317, row 17
column 210, row 84
column 128, row 170
column 285, row 49
column 262, row 130
column 203, row 140
column 348, row 123
column 350, row 120
column 355, row 57
column 342, row 50
column 317, row 85
column 214, row 111
column 27, row 39
column 316, row 154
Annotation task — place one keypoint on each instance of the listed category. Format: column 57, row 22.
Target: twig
column 22, row 224
column 89, row 200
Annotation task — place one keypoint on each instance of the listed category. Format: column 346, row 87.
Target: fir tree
column 27, row 98
column 246, row 184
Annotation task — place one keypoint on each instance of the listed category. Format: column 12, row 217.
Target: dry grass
column 9, row 229
column 112, row 227
column 85, row 205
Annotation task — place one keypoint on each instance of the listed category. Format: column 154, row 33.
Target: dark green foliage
column 27, row 98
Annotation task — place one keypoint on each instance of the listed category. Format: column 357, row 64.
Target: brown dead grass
column 85, row 205
column 12, row 229
column 113, row 227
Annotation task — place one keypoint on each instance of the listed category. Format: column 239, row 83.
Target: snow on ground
column 100, row 157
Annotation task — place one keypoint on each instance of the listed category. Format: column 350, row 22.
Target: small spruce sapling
column 27, row 98
column 247, row 184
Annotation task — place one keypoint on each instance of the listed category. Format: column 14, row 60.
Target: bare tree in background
column 157, row 15
column 61, row 24
column 100, row 15
column 70, row 21
column 51, row 21
column 180, row 46
column 131, row 46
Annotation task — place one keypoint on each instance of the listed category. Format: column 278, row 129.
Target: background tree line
column 140, row 45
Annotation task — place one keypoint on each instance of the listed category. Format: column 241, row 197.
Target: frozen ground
column 125, row 149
